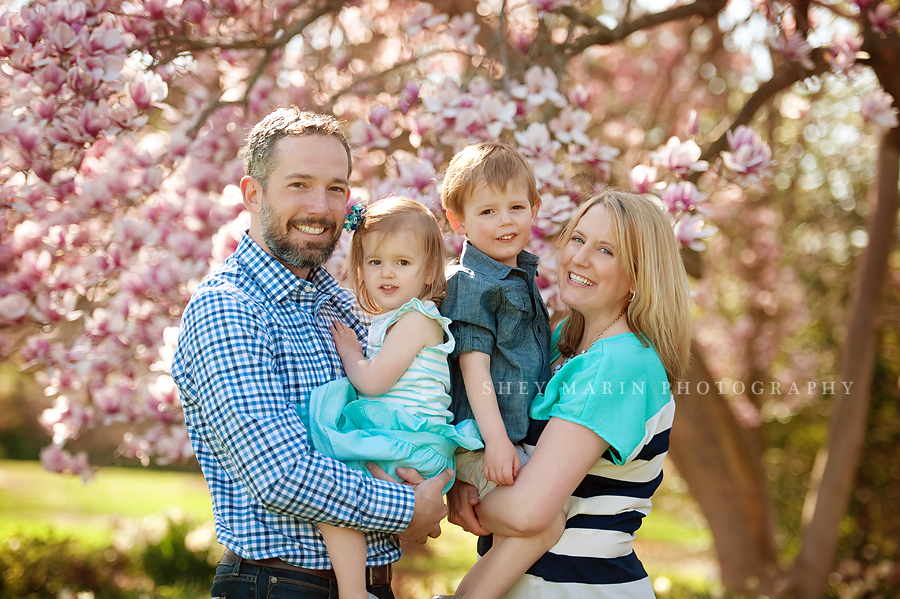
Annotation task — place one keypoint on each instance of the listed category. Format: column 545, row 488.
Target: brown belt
column 376, row 576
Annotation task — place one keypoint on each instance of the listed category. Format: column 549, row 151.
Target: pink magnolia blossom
column 14, row 307
column 50, row 79
column 750, row 156
column 597, row 155
column 693, row 124
column 682, row 158
column 541, row 86
column 554, row 213
column 147, row 89
column 547, row 172
column 62, row 36
column 173, row 446
column 409, row 97
column 877, row 109
column 682, row 197
column 794, row 48
column 547, row 6
column 44, row 108
column 643, row 178
column 64, row 420
column 497, row 114
column 462, row 30
column 112, row 403
column 884, row 18
column 94, row 118
column 843, row 52
column 56, row 459
column 571, row 125
column 105, row 40
column 863, row 4
column 28, row 136
column 690, row 231
column 423, row 18
column 579, row 95
column 536, row 141
column 416, row 173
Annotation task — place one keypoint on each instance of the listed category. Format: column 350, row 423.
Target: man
column 254, row 342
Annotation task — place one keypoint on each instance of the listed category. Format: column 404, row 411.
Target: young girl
column 392, row 409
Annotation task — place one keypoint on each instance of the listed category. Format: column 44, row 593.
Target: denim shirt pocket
column 512, row 323
column 517, row 301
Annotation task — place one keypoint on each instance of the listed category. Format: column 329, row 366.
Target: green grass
column 673, row 541
column 36, row 503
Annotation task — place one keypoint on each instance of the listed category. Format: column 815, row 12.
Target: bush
column 38, row 568
column 161, row 557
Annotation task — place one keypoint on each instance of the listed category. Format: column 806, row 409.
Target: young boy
column 501, row 327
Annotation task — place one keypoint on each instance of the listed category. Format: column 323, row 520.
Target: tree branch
column 357, row 83
column 182, row 44
column 787, row 75
column 604, row 36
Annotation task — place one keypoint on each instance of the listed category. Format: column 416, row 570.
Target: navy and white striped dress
column 619, row 390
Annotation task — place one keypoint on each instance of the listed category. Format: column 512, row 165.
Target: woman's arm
column 403, row 341
column 565, row 453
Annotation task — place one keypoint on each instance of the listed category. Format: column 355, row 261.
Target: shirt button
column 309, row 289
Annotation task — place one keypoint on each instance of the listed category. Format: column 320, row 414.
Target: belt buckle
column 371, row 573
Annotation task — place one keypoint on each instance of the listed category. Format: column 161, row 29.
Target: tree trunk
column 835, row 466
column 723, row 468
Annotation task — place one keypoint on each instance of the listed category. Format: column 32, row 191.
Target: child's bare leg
column 508, row 559
column 347, row 550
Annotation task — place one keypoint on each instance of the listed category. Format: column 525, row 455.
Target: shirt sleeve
column 472, row 307
column 234, row 395
column 614, row 394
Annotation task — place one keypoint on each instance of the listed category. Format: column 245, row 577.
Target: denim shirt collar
column 274, row 278
column 475, row 259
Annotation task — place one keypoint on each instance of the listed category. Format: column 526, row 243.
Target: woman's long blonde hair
column 660, row 312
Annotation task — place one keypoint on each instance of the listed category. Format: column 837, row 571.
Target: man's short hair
column 259, row 151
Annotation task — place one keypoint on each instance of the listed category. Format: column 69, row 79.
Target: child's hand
column 501, row 462
column 344, row 339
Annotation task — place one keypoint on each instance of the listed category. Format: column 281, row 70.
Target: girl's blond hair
column 392, row 215
column 660, row 313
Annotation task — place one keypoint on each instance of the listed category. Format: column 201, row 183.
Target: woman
column 604, row 418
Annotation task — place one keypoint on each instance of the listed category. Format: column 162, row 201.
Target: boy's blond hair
column 660, row 314
column 392, row 215
column 493, row 163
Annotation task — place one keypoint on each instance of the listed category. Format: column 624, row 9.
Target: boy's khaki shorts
column 470, row 469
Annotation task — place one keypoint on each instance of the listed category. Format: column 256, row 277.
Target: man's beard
column 295, row 254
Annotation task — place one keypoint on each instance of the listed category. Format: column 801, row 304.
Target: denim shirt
column 498, row 310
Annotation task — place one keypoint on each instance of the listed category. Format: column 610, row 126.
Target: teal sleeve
column 613, row 390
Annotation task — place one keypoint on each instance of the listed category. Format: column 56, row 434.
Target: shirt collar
column 274, row 278
column 474, row 258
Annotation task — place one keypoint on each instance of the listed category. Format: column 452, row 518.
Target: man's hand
column 345, row 340
column 462, row 498
column 430, row 508
column 501, row 461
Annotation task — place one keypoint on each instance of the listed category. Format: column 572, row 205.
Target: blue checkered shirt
column 254, row 342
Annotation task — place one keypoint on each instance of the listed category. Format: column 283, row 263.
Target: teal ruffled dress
column 409, row 426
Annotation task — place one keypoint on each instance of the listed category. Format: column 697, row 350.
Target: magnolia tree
column 122, row 124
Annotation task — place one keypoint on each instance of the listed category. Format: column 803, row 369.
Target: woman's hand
column 565, row 453
column 345, row 340
column 501, row 461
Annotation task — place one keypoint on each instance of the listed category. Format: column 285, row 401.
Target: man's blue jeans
column 238, row 580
